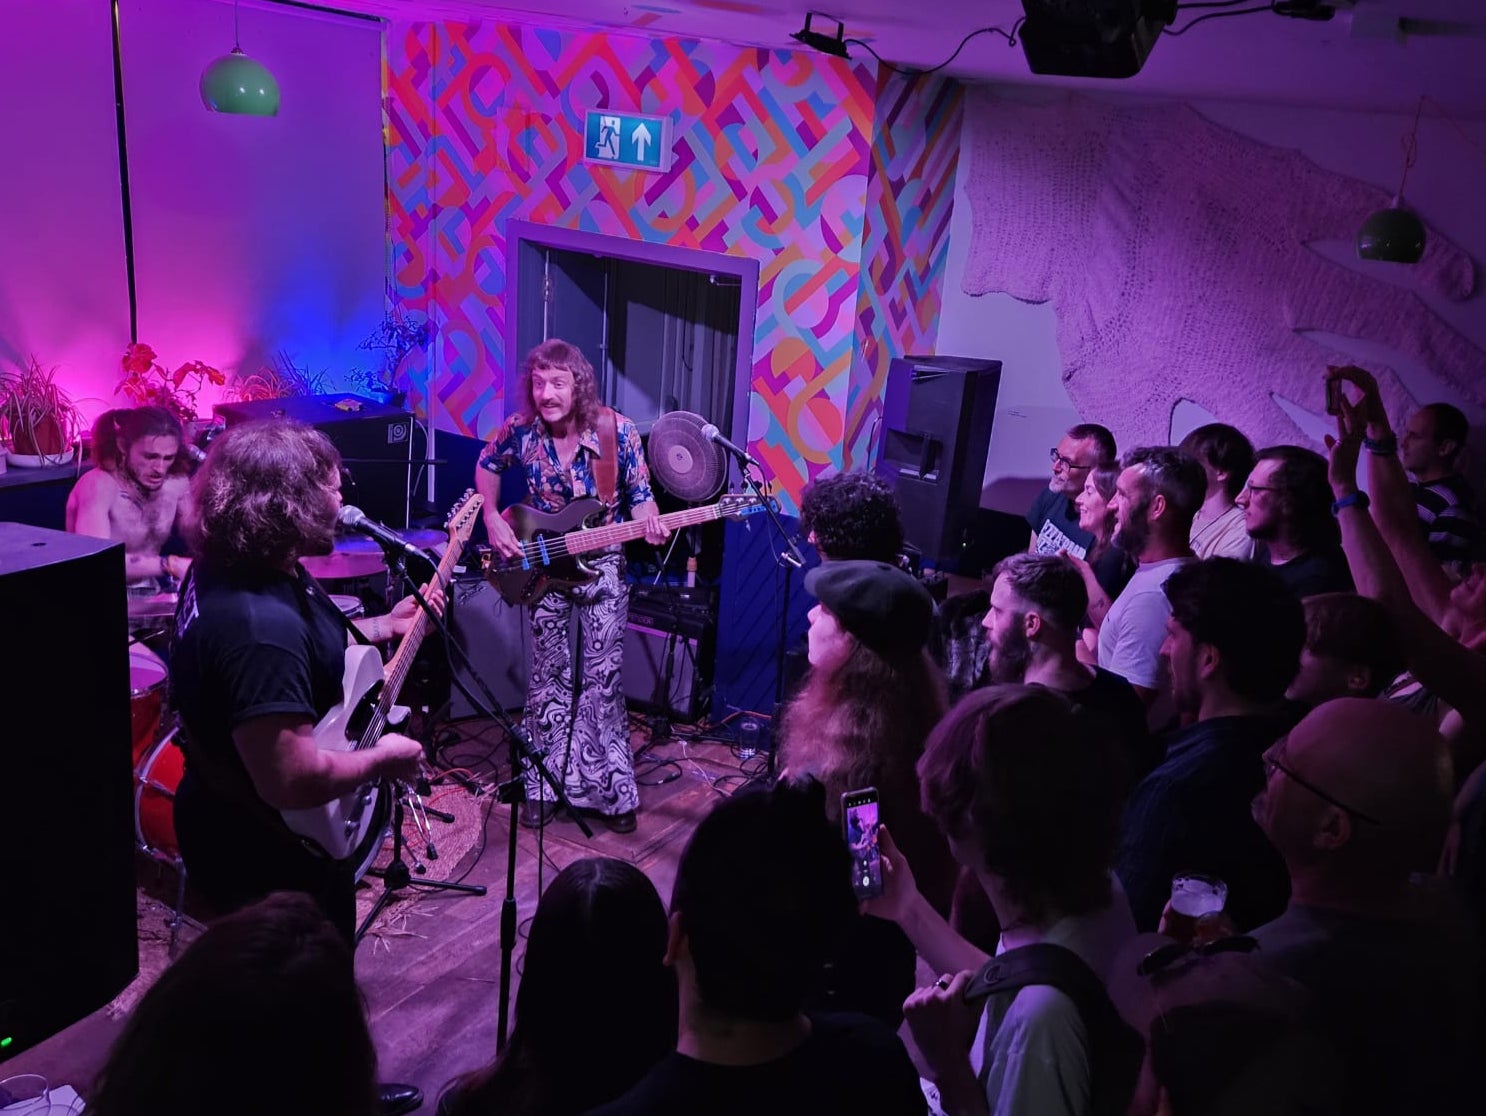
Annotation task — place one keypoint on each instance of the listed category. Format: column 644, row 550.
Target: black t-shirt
column 1112, row 698
column 1320, row 571
column 1055, row 523
column 249, row 645
column 849, row 1064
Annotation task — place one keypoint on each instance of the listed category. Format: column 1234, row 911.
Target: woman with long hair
column 1106, row 568
column 860, row 719
column 600, row 924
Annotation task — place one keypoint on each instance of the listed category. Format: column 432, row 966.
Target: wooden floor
column 430, row 969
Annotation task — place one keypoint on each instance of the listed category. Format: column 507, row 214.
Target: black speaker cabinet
column 68, row 936
column 495, row 637
column 374, row 439
column 937, row 417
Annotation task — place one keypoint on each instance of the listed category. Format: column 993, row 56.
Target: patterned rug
column 457, row 843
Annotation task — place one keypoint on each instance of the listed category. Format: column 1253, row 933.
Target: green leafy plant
column 395, row 337
column 39, row 417
column 278, row 380
column 147, row 382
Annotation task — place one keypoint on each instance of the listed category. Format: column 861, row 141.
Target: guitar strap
column 606, row 468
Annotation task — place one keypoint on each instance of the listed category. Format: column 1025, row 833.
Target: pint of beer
column 1191, row 914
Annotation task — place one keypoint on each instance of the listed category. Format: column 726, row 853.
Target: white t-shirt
column 1030, row 1052
column 1135, row 627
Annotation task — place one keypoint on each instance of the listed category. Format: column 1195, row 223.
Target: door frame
column 521, row 234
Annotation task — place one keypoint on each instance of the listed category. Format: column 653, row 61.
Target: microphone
column 355, row 519
column 712, row 434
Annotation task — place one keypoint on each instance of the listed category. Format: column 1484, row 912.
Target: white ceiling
column 1352, row 61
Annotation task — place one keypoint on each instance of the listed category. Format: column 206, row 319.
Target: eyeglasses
column 1164, row 956
column 1262, row 487
column 1068, row 463
column 1271, row 765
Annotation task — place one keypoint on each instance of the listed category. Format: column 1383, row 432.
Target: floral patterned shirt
column 549, row 486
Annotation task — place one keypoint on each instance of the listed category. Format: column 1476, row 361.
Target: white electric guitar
column 368, row 696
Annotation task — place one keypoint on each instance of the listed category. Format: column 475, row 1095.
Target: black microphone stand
column 512, row 792
column 397, row 875
column 788, row 559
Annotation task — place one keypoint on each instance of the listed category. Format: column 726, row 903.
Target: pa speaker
column 1092, row 38
column 937, row 418
column 68, row 935
column 375, row 441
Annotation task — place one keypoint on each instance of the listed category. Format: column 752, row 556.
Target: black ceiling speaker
column 682, row 460
column 1092, row 38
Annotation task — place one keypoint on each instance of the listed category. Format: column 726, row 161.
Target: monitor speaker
column 68, row 934
column 937, row 418
column 375, row 440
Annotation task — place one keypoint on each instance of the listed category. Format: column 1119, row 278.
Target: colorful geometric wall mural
column 782, row 157
column 909, row 198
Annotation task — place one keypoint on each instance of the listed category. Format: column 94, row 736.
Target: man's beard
column 1132, row 534
column 1009, row 658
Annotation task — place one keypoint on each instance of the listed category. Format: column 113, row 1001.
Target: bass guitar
column 368, row 694
column 552, row 541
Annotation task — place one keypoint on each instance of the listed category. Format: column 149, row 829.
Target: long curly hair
column 862, row 721
column 115, row 431
column 556, row 353
column 262, row 497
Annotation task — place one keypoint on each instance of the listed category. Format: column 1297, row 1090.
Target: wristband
column 1383, row 447
column 1356, row 500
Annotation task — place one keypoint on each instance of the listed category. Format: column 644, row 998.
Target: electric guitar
column 368, row 693
column 552, row 541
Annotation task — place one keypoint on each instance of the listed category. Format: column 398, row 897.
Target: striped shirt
column 1447, row 511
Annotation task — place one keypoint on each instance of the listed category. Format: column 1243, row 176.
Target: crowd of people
column 1251, row 664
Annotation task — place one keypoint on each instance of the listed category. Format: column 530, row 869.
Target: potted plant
column 147, row 382
column 42, row 423
column 278, row 380
column 396, row 336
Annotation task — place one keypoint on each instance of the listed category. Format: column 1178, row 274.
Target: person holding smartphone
column 859, row 720
column 1026, row 795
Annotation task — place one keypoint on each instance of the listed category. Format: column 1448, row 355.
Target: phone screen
column 860, row 821
column 1333, row 396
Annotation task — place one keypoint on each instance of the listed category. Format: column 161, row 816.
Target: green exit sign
column 627, row 139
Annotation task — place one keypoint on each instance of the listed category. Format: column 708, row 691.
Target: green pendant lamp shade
column 237, row 84
column 1394, row 234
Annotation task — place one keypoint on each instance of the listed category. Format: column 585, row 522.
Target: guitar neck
column 615, row 534
column 401, row 662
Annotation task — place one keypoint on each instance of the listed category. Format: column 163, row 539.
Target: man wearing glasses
column 1052, row 516
column 1356, row 799
column 1287, row 512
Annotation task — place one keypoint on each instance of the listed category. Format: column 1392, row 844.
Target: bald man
column 1356, row 799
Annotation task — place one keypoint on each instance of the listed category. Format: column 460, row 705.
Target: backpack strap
column 1038, row 963
column 1115, row 1049
column 606, row 468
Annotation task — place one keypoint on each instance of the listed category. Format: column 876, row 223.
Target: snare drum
column 155, row 782
column 349, row 604
column 148, row 679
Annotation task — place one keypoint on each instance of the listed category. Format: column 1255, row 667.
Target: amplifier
column 376, row 441
column 669, row 649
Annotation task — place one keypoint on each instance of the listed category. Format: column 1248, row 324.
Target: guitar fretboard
column 461, row 525
column 543, row 550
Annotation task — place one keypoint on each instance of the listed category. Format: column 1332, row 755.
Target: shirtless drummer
column 135, row 493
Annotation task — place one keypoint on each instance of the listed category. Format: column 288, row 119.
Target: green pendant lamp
column 1395, row 234
column 235, row 83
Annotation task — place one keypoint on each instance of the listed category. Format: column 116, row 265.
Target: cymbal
column 152, row 607
column 345, row 563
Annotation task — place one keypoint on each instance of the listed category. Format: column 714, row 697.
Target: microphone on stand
column 355, row 519
column 712, row 434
